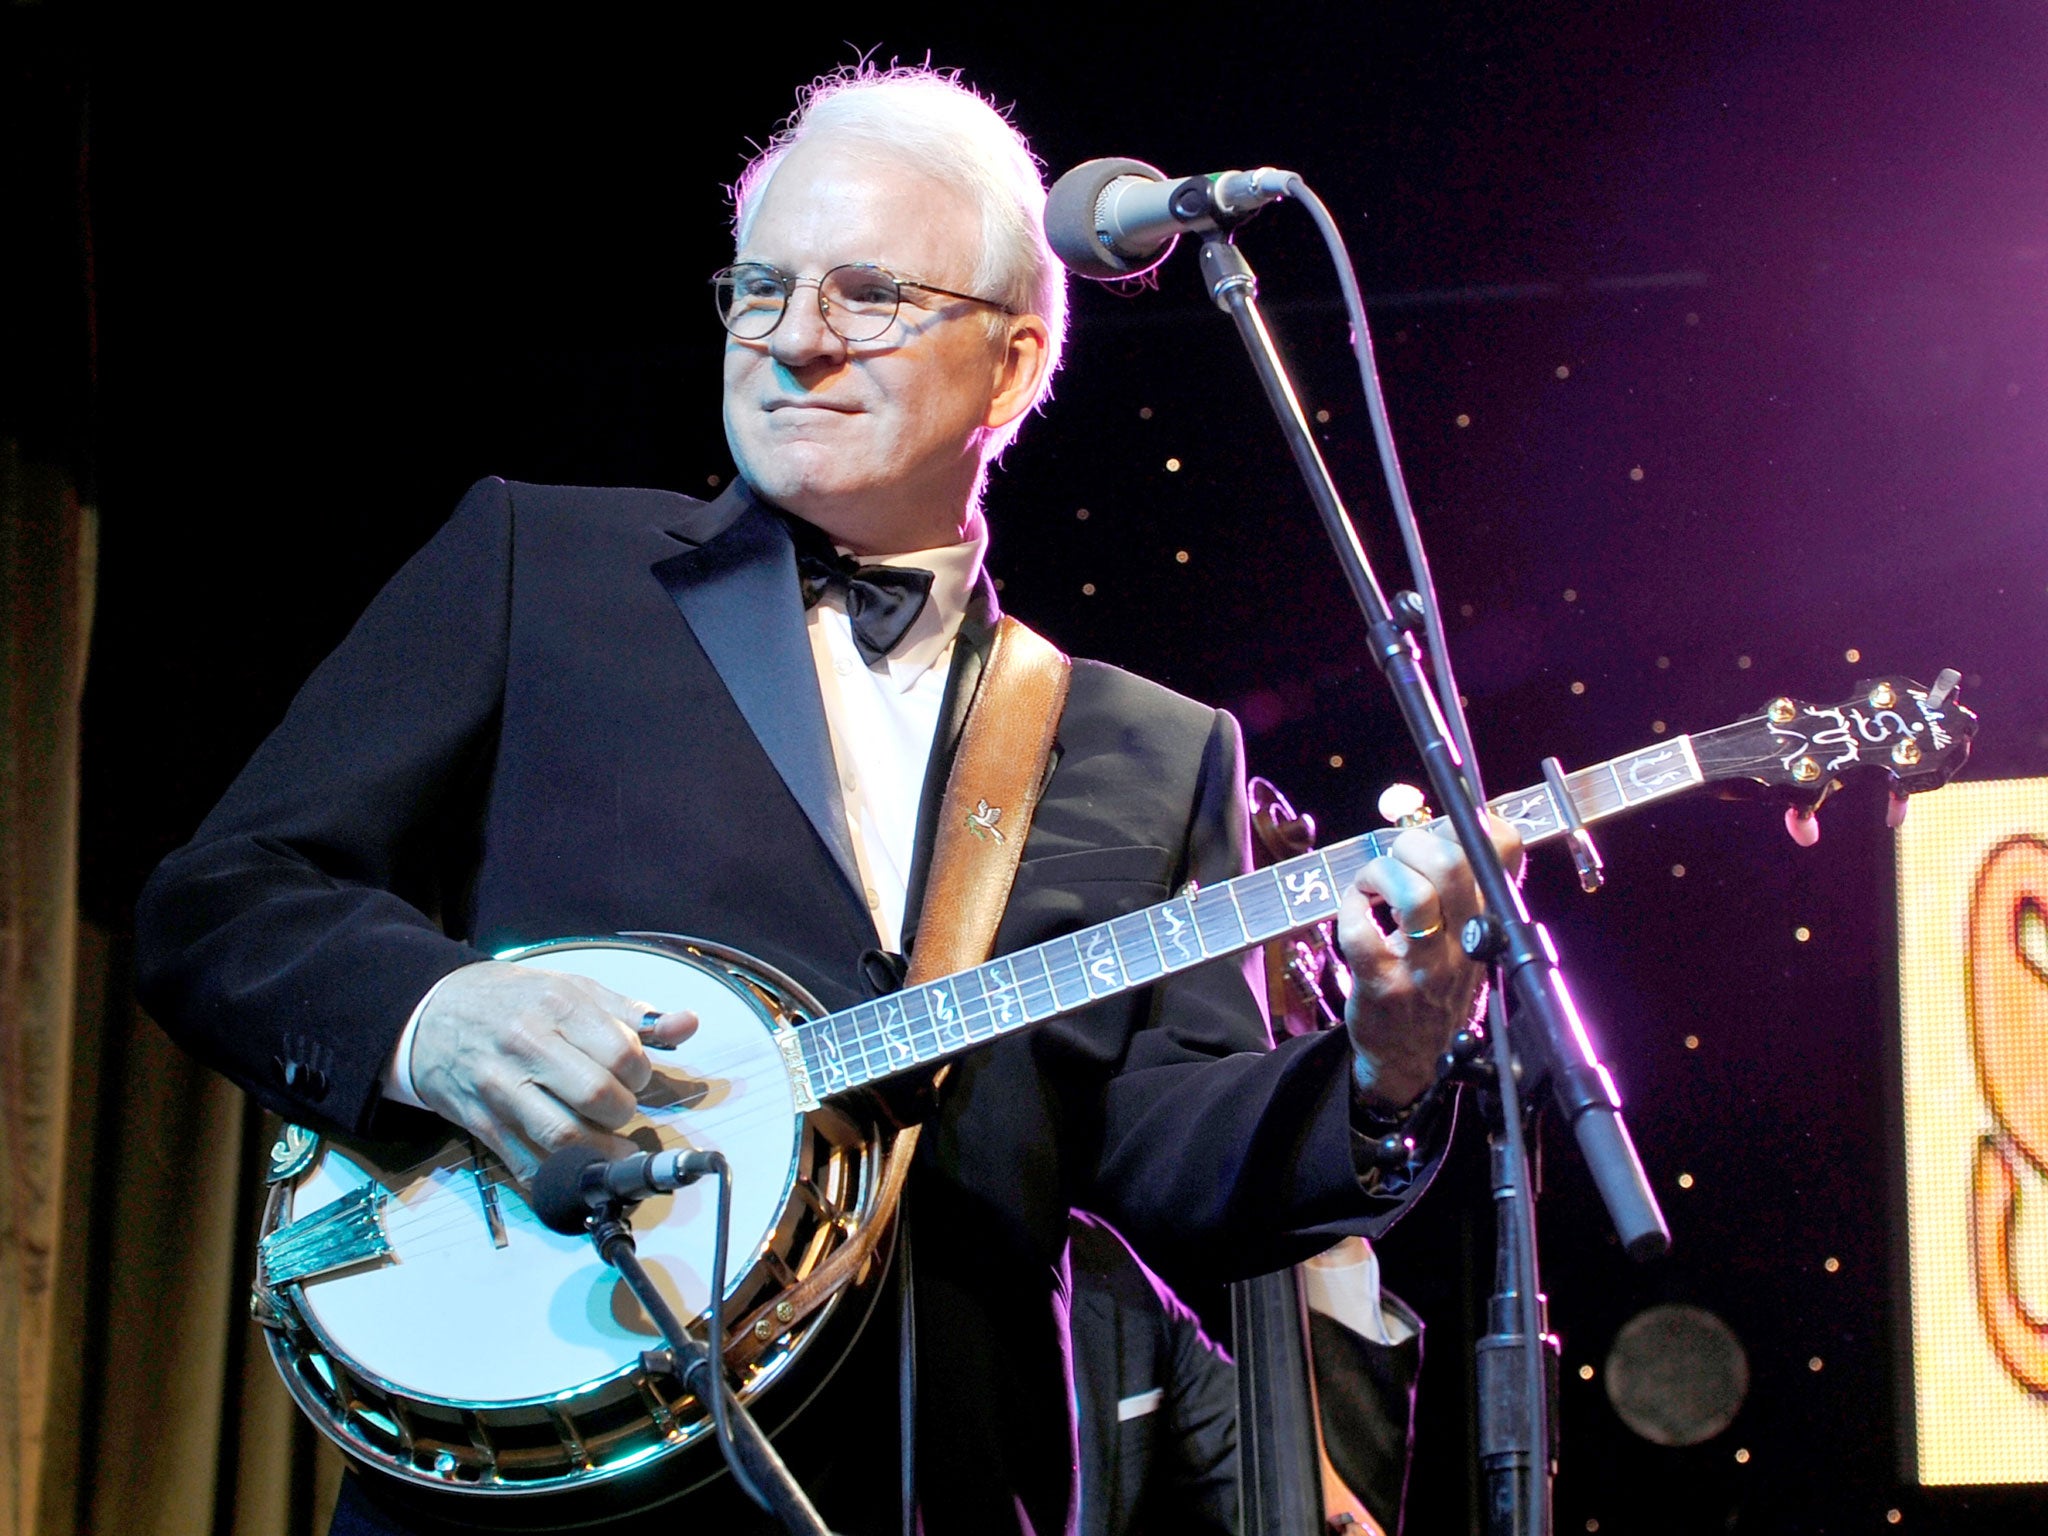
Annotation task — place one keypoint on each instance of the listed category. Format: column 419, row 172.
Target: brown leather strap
column 991, row 796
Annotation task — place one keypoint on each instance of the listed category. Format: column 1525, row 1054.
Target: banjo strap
column 991, row 795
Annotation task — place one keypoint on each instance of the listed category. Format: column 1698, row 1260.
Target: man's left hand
column 1412, row 985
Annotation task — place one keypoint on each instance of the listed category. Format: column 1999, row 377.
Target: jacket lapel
column 738, row 592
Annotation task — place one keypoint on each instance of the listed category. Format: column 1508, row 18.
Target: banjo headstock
column 1917, row 735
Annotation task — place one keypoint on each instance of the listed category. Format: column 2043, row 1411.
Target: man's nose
column 803, row 336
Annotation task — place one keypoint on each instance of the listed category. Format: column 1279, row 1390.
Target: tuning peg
column 1895, row 812
column 1803, row 823
column 1403, row 805
column 1944, row 684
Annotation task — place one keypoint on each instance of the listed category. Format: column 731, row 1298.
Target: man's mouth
column 811, row 405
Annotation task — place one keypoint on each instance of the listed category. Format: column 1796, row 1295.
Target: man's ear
column 1020, row 370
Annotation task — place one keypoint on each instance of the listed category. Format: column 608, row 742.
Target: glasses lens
column 860, row 301
column 750, row 299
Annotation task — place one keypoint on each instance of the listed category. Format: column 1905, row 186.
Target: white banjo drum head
column 477, row 1302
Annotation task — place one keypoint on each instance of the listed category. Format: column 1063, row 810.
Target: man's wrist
column 398, row 1084
column 1375, row 1096
column 1391, row 1135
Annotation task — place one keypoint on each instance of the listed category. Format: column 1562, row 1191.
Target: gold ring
column 1430, row 932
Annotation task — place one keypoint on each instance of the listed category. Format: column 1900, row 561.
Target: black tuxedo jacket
column 581, row 711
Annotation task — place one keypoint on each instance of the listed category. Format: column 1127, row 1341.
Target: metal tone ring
column 1430, row 932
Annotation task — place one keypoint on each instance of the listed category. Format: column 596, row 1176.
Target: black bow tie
column 882, row 601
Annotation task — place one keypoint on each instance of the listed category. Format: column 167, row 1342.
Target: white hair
column 926, row 118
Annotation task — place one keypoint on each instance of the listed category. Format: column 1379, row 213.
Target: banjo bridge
column 348, row 1232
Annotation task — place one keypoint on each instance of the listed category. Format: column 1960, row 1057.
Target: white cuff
column 398, row 1070
column 1343, row 1283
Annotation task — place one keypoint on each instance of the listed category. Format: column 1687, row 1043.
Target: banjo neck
column 1918, row 736
column 919, row 1026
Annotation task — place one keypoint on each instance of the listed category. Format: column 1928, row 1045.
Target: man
column 1158, row 1402
column 586, row 711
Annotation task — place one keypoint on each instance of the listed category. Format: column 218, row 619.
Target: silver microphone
column 1110, row 219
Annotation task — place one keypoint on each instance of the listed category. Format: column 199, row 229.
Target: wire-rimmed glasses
column 858, row 301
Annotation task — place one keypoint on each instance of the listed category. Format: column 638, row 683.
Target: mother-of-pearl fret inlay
column 944, row 1017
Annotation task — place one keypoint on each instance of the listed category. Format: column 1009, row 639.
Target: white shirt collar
column 955, row 569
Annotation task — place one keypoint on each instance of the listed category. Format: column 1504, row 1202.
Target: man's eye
column 757, row 288
column 866, row 293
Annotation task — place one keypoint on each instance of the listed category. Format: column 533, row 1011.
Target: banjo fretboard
column 941, row 1018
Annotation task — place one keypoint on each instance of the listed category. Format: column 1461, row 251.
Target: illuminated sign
column 1973, row 1008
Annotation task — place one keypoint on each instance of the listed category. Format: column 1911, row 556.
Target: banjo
column 430, row 1325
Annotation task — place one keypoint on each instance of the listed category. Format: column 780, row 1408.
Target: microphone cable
column 1453, row 708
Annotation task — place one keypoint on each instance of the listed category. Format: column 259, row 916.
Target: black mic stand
column 756, row 1465
column 1552, row 1044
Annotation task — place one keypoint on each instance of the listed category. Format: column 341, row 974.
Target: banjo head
column 467, row 1348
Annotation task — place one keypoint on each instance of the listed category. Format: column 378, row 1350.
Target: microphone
column 571, row 1184
column 1108, row 219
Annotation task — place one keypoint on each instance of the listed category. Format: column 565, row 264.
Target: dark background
column 1789, row 262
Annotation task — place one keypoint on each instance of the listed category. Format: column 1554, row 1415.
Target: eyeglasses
column 858, row 301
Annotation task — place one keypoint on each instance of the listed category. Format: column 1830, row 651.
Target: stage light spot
column 1831, row 1264
column 1685, row 1181
column 1585, row 1373
column 1322, row 416
column 1173, row 466
column 1636, row 473
column 1657, row 727
column 1676, row 1375
column 1578, row 687
column 1180, row 556
column 1742, row 662
column 1691, row 318
column 1080, row 514
column 1087, row 589
column 1465, row 610
column 711, row 480
column 1336, row 759
column 1464, row 420
column 1742, row 1457
column 1663, row 663
column 1813, row 1364
column 999, row 583
column 1892, row 1517
column 1852, row 655
column 1571, row 594
column 1802, row 933
column 1563, row 372
column 1678, row 871
column 1144, row 413
column 1692, row 1042
column 1592, row 1525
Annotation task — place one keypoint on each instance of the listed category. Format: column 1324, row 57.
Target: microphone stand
column 1552, row 1044
column 756, row 1465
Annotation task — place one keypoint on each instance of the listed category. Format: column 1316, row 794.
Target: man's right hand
column 532, row 1061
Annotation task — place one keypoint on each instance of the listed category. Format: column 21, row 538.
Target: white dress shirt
column 881, row 719
column 1343, row 1283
